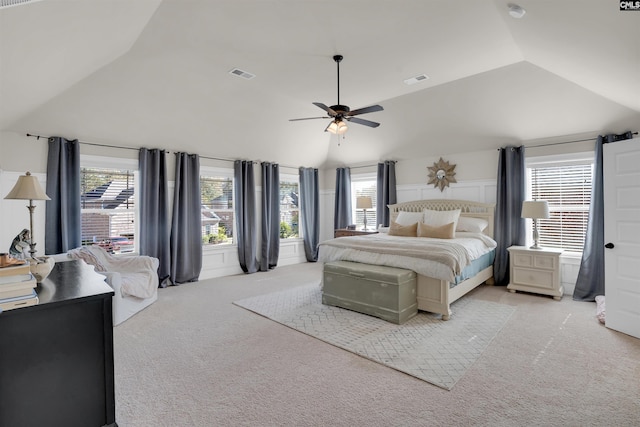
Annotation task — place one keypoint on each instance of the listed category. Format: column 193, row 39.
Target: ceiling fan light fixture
column 337, row 127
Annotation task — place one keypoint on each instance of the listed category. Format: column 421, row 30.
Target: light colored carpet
column 195, row 359
column 425, row 347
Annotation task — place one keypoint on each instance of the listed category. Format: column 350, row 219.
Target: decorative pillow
column 408, row 218
column 446, row 231
column 438, row 218
column 383, row 229
column 474, row 225
column 403, row 230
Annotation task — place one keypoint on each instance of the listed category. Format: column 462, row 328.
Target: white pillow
column 409, row 218
column 439, row 218
column 474, row 225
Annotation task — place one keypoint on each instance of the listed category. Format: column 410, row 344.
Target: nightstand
column 343, row 232
column 535, row 270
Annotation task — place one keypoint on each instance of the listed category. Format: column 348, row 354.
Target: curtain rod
column 136, row 149
column 369, row 166
column 565, row 142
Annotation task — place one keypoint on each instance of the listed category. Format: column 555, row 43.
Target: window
column 289, row 207
column 216, row 196
column 364, row 186
column 566, row 184
column 108, row 208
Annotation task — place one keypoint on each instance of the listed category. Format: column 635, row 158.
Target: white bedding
column 466, row 247
column 138, row 273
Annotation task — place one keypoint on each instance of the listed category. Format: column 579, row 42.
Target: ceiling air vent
column 416, row 79
column 239, row 73
column 10, row 3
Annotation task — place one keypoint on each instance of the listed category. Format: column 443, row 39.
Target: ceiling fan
column 341, row 113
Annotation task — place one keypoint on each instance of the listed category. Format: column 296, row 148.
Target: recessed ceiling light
column 516, row 11
column 416, row 79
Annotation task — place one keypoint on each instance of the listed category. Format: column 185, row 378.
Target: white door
column 621, row 161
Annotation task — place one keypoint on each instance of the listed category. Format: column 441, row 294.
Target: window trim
column 289, row 177
column 554, row 160
column 106, row 162
column 363, row 177
column 220, row 172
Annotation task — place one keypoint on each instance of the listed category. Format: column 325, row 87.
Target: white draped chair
column 134, row 279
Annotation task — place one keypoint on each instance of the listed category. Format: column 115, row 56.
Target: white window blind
column 216, row 195
column 108, row 209
column 289, row 207
column 567, row 188
column 365, row 188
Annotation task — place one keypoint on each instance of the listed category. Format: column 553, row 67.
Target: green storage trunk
column 385, row 292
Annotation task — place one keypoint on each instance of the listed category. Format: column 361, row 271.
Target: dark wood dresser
column 56, row 358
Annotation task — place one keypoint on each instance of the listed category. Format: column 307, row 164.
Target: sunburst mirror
column 441, row 174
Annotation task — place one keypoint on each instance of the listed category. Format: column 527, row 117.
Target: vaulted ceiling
column 155, row 73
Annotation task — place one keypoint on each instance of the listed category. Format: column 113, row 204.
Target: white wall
column 483, row 191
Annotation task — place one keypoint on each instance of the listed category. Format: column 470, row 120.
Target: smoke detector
column 516, row 11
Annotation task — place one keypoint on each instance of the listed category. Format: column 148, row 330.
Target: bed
column 438, row 284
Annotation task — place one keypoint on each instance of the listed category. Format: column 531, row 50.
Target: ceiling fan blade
column 364, row 110
column 363, row 122
column 309, row 118
column 325, row 108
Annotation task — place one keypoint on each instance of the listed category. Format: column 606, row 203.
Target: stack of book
column 17, row 287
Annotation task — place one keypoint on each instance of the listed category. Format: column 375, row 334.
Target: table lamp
column 28, row 188
column 536, row 209
column 364, row 203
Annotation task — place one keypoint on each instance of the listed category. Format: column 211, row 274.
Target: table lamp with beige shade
column 364, row 203
column 28, row 188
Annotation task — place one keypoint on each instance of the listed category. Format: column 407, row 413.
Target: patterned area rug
column 425, row 347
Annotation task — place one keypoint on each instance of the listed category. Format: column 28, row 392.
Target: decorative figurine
column 20, row 244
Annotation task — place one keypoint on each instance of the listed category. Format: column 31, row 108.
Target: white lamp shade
column 27, row 188
column 363, row 203
column 536, row 209
column 337, row 127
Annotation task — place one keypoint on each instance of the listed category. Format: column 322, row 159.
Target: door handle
column 609, row 245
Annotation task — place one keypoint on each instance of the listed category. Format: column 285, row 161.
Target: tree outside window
column 216, row 196
column 289, row 208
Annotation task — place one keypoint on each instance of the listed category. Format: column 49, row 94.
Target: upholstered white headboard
column 467, row 208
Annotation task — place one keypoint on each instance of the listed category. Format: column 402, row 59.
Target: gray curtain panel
column 385, row 191
column 63, row 229
column 310, row 212
column 342, row 212
column 186, row 221
column 244, row 199
column 590, row 281
column 509, row 227
column 270, row 216
column 154, row 210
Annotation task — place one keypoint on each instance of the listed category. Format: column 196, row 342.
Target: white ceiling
column 154, row 73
